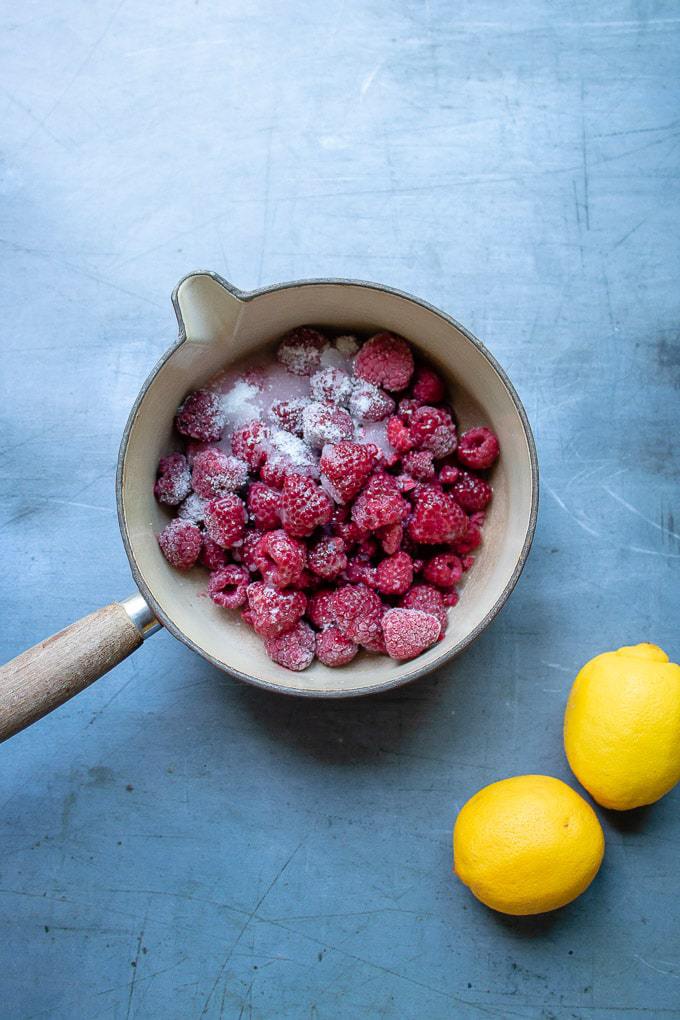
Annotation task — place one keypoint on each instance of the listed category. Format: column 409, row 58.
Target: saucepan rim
column 246, row 296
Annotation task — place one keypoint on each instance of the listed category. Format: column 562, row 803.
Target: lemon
column 622, row 726
column 527, row 844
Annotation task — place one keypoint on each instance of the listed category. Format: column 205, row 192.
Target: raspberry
column 287, row 454
column 398, row 435
column 345, row 467
column 300, row 350
column 249, row 442
column 427, row 386
column 180, row 543
column 478, row 448
column 379, row 504
column 307, row 581
column 419, row 464
column 216, row 473
column 334, row 649
column 437, row 517
column 448, row 474
column 280, row 558
column 325, row 423
column 451, row 598
column 331, row 385
column 227, row 586
column 264, row 505
column 192, row 448
column 358, row 612
column 445, row 570
column 369, row 402
column 432, row 428
column 288, row 414
column 201, row 416
column 429, row 600
column 478, row 518
column 246, row 552
column 359, row 570
column 274, row 612
column 390, row 537
column 467, row 562
column 328, row 558
column 192, row 509
column 294, row 649
column 225, row 520
column 472, row 539
column 471, row 492
column 320, row 608
column 385, row 360
column 407, row 407
column 406, row 483
column 376, row 643
column 408, row 632
column 394, row 574
column 174, row 481
column 305, row 506
column 348, row 532
column 213, row 556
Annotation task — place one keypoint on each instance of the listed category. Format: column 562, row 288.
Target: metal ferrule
column 141, row 615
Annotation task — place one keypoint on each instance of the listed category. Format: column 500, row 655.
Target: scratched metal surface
column 174, row 844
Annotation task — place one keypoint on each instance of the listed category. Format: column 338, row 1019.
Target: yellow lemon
column 527, row 844
column 622, row 726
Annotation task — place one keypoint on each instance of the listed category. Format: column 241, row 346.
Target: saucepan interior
column 218, row 325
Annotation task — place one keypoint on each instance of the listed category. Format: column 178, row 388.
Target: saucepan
column 217, row 324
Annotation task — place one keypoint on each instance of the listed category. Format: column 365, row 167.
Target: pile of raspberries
column 367, row 556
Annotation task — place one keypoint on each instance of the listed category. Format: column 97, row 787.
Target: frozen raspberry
column 305, row 506
column 358, row 612
column 216, row 473
column 249, row 442
column 451, row 598
column 280, row 558
column 227, row 586
column 419, row 464
column 327, row 558
column 325, row 423
column 213, row 556
column 247, row 617
column 201, row 416
column 437, row 517
column 367, row 546
column 180, row 543
column 334, row 649
column 300, row 350
column 320, row 608
column 225, row 520
column 467, row 562
column 264, row 505
column 360, row 570
column 379, row 504
column 294, row 649
column 448, row 474
column 408, row 632
column 347, row 345
column 288, row 414
column 427, row 386
column 399, row 436
column 478, row 518
column 192, row 448
column 385, row 360
column 287, row 454
column 478, row 448
column 376, row 644
column 192, row 509
column 432, row 428
column 345, row 467
column 427, row 598
column 348, row 532
column 471, row 492
column 471, row 540
column 406, row 408
column 445, row 570
column 394, row 575
column 274, row 612
column 390, row 538
column 406, row 483
column 174, row 481
column 369, row 402
column 246, row 552
column 331, row 386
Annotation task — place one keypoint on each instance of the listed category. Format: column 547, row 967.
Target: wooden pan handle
column 61, row 666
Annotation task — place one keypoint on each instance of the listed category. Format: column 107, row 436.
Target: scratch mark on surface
column 83, row 506
column 584, row 154
column 562, row 504
column 135, row 965
column 666, row 973
column 556, row 665
column 634, row 510
column 370, row 78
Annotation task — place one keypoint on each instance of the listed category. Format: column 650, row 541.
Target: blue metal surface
column 174, row 844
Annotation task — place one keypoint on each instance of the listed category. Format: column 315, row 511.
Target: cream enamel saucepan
column 217, row 324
